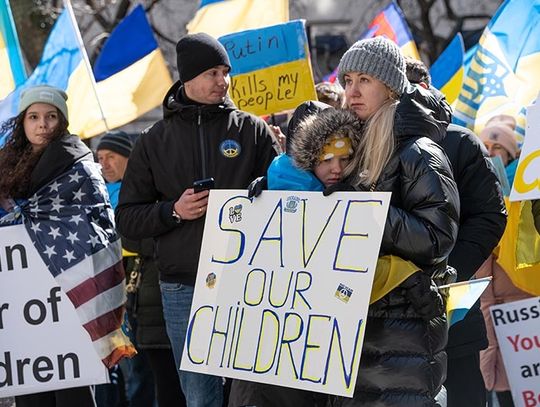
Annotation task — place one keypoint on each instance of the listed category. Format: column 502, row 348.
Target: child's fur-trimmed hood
column 315, row 131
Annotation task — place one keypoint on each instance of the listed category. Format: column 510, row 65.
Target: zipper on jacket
column 202, row 144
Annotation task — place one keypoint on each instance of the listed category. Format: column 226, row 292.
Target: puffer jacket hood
column 422, row 113
column 314, row 132
column 173, row 104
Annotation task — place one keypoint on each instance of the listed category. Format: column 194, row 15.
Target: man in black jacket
column 202, row 135
column 481, row 225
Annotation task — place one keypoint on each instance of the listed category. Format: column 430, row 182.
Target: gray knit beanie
column 378, row 57
column 44, row 94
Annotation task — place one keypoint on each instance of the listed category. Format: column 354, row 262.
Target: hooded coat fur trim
column 315, row 131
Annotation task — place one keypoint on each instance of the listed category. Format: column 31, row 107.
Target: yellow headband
column 336, row 146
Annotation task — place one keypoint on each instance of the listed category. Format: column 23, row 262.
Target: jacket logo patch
column 230, row 148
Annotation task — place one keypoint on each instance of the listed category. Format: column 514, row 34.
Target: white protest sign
column 517, row 325
column 527, row 179
column 283, row 287
column 43, row 346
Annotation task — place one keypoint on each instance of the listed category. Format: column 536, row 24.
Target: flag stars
column 78, row 195
column 49, row 251
column 35, row 227
column 56, row 201
column 69, row 256
column 72, row 237
column 75, row 177
column 54, row 233
column 94, row 240
column 54, row 186
column 76, row 219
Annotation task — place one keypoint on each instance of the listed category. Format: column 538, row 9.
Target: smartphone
column 203, row 184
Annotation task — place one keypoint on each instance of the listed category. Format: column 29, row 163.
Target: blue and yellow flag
column 61, row 61
column 462, row 296
column 447, row 71
column 221, row 17
column 12, row 69
column 131, row 75
column 503, row 77
column 518, row 252
column 271, row 70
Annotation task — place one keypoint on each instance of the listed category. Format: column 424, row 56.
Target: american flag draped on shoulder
column 71, row 225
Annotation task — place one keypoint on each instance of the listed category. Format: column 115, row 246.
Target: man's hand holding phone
column 193, row 202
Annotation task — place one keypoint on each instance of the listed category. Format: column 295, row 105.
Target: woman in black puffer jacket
column 403, row 361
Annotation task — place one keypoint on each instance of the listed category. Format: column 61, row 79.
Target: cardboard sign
column 527, row 180
column 43, row 346
column 283, row 287
column 517, row 325
column 271, row 70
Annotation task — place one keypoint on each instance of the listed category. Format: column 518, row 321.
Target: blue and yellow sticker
column 343, row 293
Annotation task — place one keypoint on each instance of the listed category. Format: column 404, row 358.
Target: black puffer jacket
column 481, row 225
column 403, row 360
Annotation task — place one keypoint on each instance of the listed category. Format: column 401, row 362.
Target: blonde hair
column 375, row 147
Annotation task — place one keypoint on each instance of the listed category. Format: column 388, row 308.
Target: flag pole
column 67, row 4
column 472, row 280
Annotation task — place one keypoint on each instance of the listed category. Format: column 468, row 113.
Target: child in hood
column 319, row 149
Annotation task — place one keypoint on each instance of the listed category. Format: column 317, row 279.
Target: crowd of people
column 384, row 129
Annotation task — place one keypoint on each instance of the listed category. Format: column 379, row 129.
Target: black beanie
column 196, row 53
column 116, row 141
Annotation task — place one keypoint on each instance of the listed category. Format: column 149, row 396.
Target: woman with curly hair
column 38, row 151
column 36, row 125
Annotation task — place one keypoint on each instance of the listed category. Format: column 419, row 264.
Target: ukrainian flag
column 447, row 71
column 271, row 70
column 132, row 76
column 221, row 17
column 503, row 77
column 11, row 62
column 60, row 61
column 462, row 296
column 519, row 249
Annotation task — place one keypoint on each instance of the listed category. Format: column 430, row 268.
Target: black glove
column 337, row 187
column 424, row 295
column 257, row 186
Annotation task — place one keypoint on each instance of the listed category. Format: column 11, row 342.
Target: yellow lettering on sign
column 519, row 182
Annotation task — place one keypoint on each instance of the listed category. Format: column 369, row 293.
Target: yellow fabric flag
column 519, row 249
column 391, row 271
column 218, row 18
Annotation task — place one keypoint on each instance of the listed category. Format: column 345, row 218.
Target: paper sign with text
column 527, row 179
column 283, row 287
column 517, row 325
column 43, row 346
column 271, row 70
